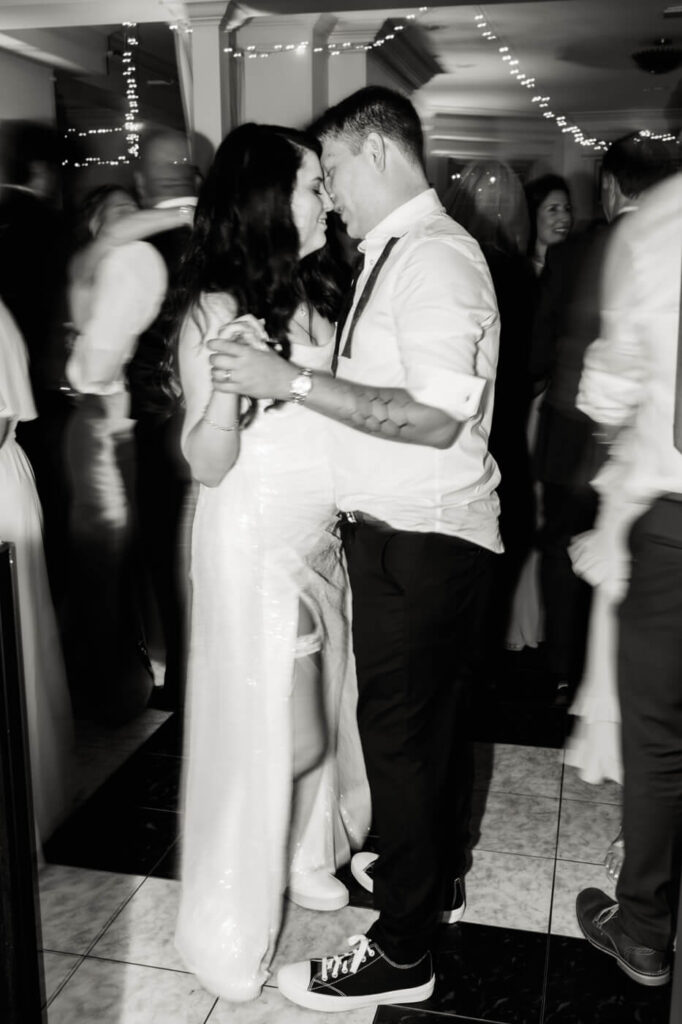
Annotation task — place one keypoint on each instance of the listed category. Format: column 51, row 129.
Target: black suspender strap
column 362, row 302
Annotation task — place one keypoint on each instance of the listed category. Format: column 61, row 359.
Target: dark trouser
column 650, row 685
column 104, row 629
column 417, row 611
column 567, row 511
column 161, row 487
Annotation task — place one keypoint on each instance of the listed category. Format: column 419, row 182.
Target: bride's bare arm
column 211, row 446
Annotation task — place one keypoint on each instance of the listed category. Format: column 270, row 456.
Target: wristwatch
column 300, row 386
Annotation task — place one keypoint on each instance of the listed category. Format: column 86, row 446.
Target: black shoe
column 362, row 870
column 599, row 922
column 563, row 694
column 458, row 903
column 363, row 976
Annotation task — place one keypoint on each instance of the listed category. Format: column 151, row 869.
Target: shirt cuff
column 457, row 394
column 607, row 398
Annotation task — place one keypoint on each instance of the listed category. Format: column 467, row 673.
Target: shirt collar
column 402, row 218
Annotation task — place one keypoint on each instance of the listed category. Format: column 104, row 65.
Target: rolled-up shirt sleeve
column 447, row 323
column 129, row 289
column 614, row 369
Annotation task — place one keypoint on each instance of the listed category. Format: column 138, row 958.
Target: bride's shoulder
column 217, row 304
column 211, row 311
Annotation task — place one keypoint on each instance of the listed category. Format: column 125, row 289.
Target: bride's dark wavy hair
column 244, row 240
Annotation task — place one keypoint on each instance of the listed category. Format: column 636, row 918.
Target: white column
column 284, row 78
column 209, row 79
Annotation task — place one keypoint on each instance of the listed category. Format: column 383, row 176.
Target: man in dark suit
column 567, row 455
column 164, row 178
column 32, row 286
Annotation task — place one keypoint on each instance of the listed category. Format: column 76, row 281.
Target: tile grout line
column 69, row 975
column 545, row 980
column 207, row 1019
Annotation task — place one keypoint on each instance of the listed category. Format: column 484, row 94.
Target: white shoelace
column 347, row 963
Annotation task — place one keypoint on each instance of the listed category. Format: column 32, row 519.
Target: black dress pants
column 568, row 509
column 417, row 613
column 650, row 687
column 161, row 487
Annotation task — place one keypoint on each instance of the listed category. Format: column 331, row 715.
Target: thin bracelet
column 219, row 426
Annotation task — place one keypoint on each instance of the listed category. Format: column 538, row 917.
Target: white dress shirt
column 110, row 313
column 629, row 371
column 431, row 327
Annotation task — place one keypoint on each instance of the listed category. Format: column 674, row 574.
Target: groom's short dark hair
column 374, row 109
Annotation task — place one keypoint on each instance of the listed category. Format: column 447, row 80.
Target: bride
column 275, row 789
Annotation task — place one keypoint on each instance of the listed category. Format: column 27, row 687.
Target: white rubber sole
column 358, row 866
column 342, row 1004
column 358, row 863
column 324, row 904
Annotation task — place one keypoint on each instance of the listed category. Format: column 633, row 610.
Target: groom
column 411, row 405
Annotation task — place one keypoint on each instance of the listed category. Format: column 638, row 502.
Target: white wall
column 26, row 89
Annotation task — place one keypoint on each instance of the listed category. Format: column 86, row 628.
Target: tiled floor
column 109, row 898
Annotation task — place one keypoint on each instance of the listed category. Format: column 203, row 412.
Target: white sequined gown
column 260, row 545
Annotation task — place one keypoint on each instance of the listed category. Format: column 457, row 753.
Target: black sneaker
column 599, row 922
column 363, row 976
column 362, row 870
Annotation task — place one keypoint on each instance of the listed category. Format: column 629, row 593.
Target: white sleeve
column 614, row 368
column 129, row 289
column 447, row 324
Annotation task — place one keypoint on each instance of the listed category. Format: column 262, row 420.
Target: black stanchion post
column 20, row 970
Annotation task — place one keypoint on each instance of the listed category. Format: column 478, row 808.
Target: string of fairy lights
column 336, row 49
column 543, row 101
column 130, row 128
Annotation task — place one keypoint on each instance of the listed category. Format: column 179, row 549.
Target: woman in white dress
column 48, row 707
column 275, row 789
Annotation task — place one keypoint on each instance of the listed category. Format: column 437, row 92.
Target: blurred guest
column 631, row 165
column 567, row 455
column 551, row 216
column 633, row 378
column 48, row 709
column 32, row 285
column 105, row 648
column 551, row 219
column 488, row 200
column 165, row 179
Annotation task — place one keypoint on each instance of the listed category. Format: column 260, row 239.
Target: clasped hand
column 242, row 363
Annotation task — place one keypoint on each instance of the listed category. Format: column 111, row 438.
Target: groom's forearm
column 390, row 413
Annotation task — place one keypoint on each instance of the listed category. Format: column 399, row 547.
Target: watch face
column 300, row 387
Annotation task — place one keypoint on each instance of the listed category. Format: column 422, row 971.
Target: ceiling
column 578, row 51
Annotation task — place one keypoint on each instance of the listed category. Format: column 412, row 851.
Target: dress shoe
column 599, row 920
column 563, row 694
column 317, row 890
column 362, row 870
column 615, row 855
